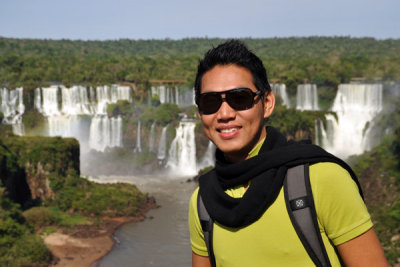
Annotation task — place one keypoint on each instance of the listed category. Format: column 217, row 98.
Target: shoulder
column 331, row 181
column 341, row 210
column 193, row 205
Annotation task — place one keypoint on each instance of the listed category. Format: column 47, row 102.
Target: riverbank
column 86, row 244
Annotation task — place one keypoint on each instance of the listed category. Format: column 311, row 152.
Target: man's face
column 235, row 132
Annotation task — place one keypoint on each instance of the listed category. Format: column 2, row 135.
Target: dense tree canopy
column 323, row 60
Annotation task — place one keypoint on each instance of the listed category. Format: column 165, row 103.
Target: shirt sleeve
column 342, row 213
column 196, row 233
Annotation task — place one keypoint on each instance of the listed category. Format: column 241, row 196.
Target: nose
column 225, row 111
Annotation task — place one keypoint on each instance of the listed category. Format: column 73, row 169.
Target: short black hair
column 233, row 52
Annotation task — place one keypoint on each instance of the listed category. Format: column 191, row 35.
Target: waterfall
column 105, row 132
column 182, row 153
column 208, row 158
column 152, row 138
column 175, row 95
column 50, row 101
column 279, row 89
column 119, row 92
column 13, row 108
column 75, row 101
column 138, row 147
column 186, row 98
column 307, row 97
column 162, row 146
column 103, row 99
column 107, row 95
column 37, row 101
column 355, row 105
column 66, row 109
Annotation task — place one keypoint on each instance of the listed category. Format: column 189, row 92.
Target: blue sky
column 176, row 19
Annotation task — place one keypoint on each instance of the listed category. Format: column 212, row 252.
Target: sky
column 177, row 19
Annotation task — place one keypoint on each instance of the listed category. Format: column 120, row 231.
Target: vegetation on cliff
column 52, row 194
column 19, row 243
column 379, row 175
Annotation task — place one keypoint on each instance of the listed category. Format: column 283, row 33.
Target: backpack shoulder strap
column 207, row 224
column 302, row 213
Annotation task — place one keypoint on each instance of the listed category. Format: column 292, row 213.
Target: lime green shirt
column 272, row 240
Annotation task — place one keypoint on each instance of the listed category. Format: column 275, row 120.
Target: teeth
column 228, row 130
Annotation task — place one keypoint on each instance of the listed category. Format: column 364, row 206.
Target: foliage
column 325, row 61
column 60, row 154
column 33, row 121
column 19, row 244
column 162, row 115
column 12, row 176
column 295, row 124
column 60, row 160
column 91, row 199
column 121, row 108
column 379, row 175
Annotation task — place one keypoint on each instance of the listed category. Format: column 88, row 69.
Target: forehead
column 225, row 77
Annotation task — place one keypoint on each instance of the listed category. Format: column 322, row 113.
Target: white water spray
column 12, row 106
column 66, row 109
column 279, row 89
column 307, row 97
column 138, row 148
column 152, row 145
column 208, row 158
column 162, row 146
column 182, row 153
column 355, row 105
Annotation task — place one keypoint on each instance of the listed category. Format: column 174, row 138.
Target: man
column 243, row 194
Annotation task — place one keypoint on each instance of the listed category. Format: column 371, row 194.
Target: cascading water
column 12, row 107
column 138, row 147
column 173, row 95
column 38, row 100
column 355, row 105
column 75, row 101
column 162, row 145
column 307, row 97
column 279, row 89
column 152, row 145
column 105, row 133
column 66, row 119
column 208, row 158
column 182, row 153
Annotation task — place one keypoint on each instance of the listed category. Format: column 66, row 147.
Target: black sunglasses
column 238, row 99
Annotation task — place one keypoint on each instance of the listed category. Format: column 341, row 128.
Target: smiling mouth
column 228, row 130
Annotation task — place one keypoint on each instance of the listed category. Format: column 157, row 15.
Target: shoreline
column 88, row 244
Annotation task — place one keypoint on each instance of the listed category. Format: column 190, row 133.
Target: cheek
column 207, row 124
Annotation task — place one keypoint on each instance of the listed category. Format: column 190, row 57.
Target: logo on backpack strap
column 299, row 203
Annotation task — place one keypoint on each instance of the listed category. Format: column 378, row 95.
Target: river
column 161, row 240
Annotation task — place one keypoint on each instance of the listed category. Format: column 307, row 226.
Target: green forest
column 326, row 61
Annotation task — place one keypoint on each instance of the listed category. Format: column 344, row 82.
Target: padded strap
column 301, row 209
column 207, row 225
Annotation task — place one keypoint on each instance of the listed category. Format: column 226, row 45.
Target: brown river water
column 161, row 240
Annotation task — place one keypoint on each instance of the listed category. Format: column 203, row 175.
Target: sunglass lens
column 209, row 103
column 240, row 99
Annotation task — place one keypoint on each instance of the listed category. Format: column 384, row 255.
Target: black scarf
column 266, row 171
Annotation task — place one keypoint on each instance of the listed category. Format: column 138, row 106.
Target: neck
column 243, row 154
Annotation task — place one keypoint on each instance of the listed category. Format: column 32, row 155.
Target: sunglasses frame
column 222, row 99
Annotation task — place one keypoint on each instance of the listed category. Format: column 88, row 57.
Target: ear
column 269, row 104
